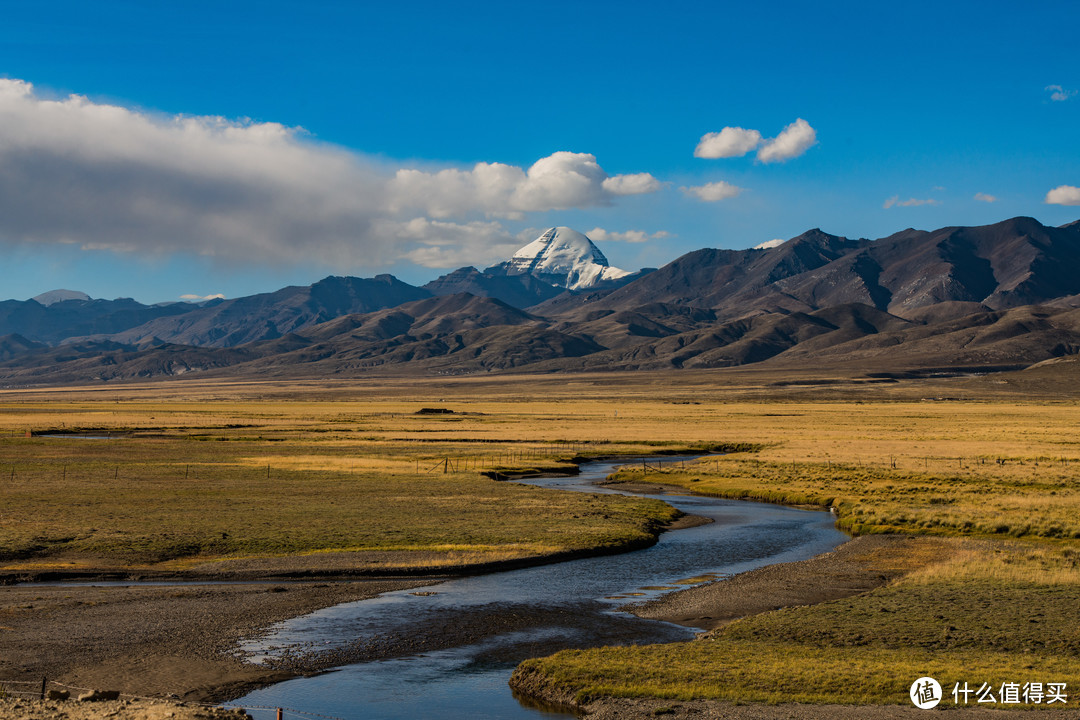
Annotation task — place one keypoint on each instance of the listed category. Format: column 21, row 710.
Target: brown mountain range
column 957, row 299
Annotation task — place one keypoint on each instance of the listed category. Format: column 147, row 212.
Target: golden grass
column 1008, row 563
column 985, row 499
column 352, row 468
column 783, row 672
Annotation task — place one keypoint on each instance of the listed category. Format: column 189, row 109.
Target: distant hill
column 228, row 323
column 60, row 320
column 1009, row 264
column 958, row 299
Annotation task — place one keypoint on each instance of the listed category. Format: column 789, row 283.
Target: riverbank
column 634, row 709
column 852, row 627
column 177, row 639
column 18, row 709
column 857, row 566
column 165, row 641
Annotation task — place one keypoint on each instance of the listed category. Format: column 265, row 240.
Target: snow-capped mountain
column 54, row 296
column 562, row 257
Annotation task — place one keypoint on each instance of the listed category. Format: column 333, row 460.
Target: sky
column 168, row 151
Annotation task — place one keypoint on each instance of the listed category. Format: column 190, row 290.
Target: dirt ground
column 856, row 566
column 155, row 641
column 14, row 709
column 176, row 640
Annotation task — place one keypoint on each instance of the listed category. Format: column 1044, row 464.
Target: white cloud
column 910, row 202
column 983, row 197
column 729, row 142
column 441, row 244
column 111, row 178
column 770, row 244
column 1059, row 94
column 636, row 184
column 560, row 181
column 712, row 192
column 630, row 236
column 796, row 139
column 1063, row 195
column 201, row 298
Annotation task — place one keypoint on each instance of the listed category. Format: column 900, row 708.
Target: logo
column 925, row 693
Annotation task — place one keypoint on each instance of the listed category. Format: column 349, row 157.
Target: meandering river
column 448, row 650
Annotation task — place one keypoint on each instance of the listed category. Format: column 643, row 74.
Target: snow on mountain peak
column 54, row 296
column 563, row 257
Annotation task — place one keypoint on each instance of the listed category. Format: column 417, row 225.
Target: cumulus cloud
column 630, row 236
column 712, row 192
column 1059, row 94
column 793, row 141
column 111, row 178
column 636, row 184
column 983, row 197
column 777, row 242
column 201, row 298
column 560, row 181
column 895, row 201
column 1063, row 195
column 796, row 139
column 729, row 142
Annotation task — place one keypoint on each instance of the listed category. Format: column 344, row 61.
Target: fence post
column 279, row 714
column 42, row 687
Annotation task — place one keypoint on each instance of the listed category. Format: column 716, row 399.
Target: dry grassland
column 203, row 473
column 971, row 470
column 234, row 473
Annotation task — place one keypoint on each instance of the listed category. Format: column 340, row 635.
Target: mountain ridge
column 993, row 296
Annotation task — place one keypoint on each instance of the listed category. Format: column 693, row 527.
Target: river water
column 448, row 650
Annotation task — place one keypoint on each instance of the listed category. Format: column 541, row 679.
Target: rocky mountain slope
column 956, row 299
column 1009, row 264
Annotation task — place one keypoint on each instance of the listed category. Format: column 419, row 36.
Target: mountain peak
column 55, row 296
column 562, row 257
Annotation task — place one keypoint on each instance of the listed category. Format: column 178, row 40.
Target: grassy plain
column 205, row 473
column 172, row 484
column 972, row 469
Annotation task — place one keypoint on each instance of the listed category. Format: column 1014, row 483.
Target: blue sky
column 155, row 151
